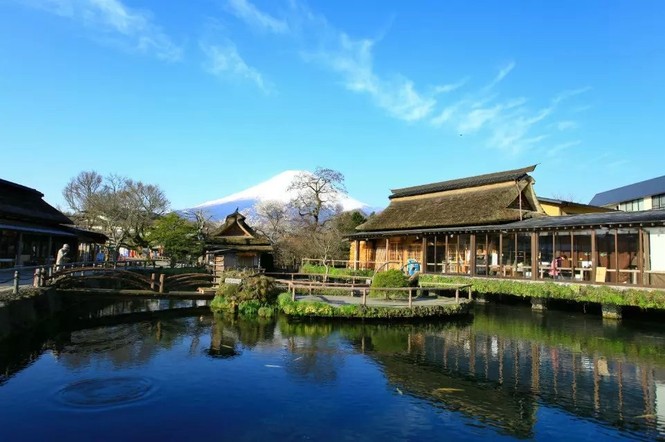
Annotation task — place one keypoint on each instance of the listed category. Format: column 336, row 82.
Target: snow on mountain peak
column 275, row 188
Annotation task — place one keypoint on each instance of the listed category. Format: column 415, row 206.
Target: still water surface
column 155, row 370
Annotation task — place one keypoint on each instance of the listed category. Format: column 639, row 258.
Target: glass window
column 658, row 201
column 632, row 206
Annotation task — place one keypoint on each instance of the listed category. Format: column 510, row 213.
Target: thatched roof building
column 21, row 203
column 236, row 245
column 31, row 230
column 494, row 198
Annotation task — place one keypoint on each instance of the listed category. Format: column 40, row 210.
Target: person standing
column 62, row 257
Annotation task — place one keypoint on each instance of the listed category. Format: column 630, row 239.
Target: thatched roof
column 488, row 204
column 236, row 234
column 25, row 204
column 460, row 183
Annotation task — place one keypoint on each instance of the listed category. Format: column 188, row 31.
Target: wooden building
column 31, row 230
column 235, row 245
column 494, row 225
column 557, row 207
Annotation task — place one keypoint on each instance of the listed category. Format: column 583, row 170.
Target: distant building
column 645, row 195
column 31, row 230
column 556, row 207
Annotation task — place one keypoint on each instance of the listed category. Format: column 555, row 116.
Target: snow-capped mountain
column 275, row 188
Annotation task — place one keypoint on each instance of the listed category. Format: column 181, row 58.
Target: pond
column 157, row 370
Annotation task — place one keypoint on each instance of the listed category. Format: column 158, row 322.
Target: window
column 658, row 201
column 632, row 206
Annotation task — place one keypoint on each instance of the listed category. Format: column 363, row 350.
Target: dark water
column 154, row 370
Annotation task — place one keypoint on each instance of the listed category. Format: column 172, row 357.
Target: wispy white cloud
column 566, row 125
column 506, row 123
column 450, row 87
column 503, row 73
column 570, row 93
column 353, row 60
column 224, row 61
column 113, row 21
column 251, row 15
column 557, row 149
column 513, row 124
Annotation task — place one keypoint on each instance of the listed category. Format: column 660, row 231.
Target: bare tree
column 317, row 195
column 121, row 208
column 79, row 194
column 271, row 218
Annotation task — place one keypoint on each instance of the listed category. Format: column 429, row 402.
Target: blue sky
column 208, row 97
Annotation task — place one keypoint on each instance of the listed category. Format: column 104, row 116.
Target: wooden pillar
column 357, row 255
column 594, row 260
column 435, row 240
column 472, row 255
column 616, row 256
column 19, row 250
column 501, row 272
column 387, row 253
column 534, row 255
column 161, row 283
column 152, row 281
column 423, row 251
column 572, row 257
column 640, row 256
column 445, row 256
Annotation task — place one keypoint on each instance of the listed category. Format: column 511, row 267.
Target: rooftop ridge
column 478, row 180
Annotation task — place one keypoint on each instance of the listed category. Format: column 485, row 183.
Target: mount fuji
column 273, row 189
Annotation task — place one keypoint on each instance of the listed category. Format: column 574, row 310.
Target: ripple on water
column 105, row 392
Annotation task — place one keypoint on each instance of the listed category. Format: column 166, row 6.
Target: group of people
column 64, row 256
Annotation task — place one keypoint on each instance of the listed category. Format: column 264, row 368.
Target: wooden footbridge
column 128, row 275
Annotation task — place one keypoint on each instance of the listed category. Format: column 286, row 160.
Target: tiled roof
column 654, row 186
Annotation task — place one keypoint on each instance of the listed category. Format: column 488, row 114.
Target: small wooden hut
column 235, row 245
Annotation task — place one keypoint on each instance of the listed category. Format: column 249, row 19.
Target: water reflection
column 507, row 363
column 507, row 371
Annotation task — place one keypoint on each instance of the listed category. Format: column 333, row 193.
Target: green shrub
column 222, row 304
column 389, row 278
column 228, row 290
column 259, row 288
column 324, row 310
column 254, row 292
column 266, row 312
column 249, row 308
column 643, row 298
